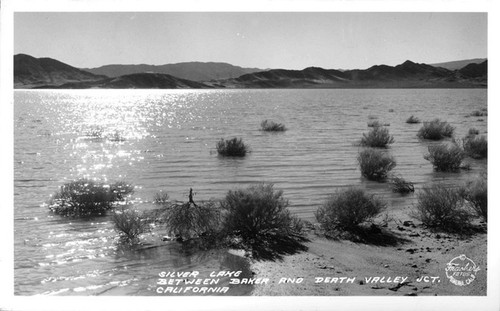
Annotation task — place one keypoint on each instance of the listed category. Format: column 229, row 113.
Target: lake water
column 164, row 140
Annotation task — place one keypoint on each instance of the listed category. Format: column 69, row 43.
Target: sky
column 288, row 40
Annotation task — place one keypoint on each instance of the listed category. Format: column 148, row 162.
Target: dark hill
column 195, row 71
column 31, row 72
column 138, row 81
column 475, row 70
column 405, row 75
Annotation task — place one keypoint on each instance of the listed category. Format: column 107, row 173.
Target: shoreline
column 414, row 267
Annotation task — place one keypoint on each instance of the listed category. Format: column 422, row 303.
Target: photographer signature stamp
column 461, row 270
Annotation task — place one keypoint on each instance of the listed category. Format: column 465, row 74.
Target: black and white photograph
column 298, row 156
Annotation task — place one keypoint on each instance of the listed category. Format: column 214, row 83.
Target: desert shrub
column 476, row 195
column 476, row 147
column 271, row 126
column 160, row 198
column 130, row 224
column 375, row 164
column 445, row 158
column 233, row 147
column 86, row 198
column 374, row 123
column 400, row 185
column 412, row 120
column 477, row 113
column 121, row 190
column 378, row 137
column 187, row 221
column 436, row 130
column 259, row 217
column 472, row 132
column 347, row 209
column 441, row 207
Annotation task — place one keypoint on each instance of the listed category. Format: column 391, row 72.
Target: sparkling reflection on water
column 165, row 140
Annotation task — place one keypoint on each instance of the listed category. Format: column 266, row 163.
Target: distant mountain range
column 30, row 72
column 455, row 65
column 195, row 71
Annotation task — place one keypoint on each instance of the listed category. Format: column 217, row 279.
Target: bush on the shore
column 445, row 158
column 130, row 224
column 347, row 209
column 400, row 185
column 375, row 164
column 441, row 207
column 88, row 198
column 476, row 147
column 413, row 120
column 476, row 195
column 271, row 126
column 258, row 217
column 436, row 130
column 378, row 137
column 233, row 147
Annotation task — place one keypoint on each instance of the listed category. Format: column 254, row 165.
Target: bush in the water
column 258, row 217
column 378, row 137
column 187, row 221
column 476, row 195
column 413, row 120
column 347, row 209
column 476, row 147
column 441, row 207
column 400, row 185
column 473, row 131
column 445, row 158
column 160, row 198
column 374, row 123
column 375, row 164
column 477, row 113
column 232, row 147
column 86, row 198
column 130, row 224
column 271, row 126
column 436, row 130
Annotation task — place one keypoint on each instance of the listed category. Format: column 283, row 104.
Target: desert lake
column 164, row 140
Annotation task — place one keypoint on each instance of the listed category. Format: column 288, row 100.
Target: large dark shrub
column 130, row 224
column 476, row 195
column 186, row 221
column 378, row 137
column 258, row 216
column 375, row 164
column 476, row 147
column 441, row 207
column 85, row 198
column 445, row 158
column 347, row 209
column 271, row 126
column 233, row 147
column 435, row 130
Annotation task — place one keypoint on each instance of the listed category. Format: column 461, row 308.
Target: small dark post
column 191, row 197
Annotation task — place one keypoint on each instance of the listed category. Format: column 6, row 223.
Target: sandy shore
column 329, row 266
